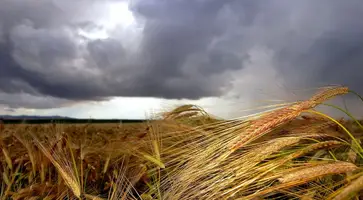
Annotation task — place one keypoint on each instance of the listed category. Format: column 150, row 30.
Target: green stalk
column 339, row 124
column 347, row 113
column 360, row 97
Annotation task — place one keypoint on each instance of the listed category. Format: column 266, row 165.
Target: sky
column 131, row 59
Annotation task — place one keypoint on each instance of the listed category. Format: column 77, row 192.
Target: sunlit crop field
column 289, row 152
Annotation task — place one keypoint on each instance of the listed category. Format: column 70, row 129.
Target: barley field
column 289, row 152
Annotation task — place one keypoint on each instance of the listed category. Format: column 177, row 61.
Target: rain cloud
column 56, row 53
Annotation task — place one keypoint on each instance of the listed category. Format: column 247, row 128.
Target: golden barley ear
column 282, row 116
column 122, row 187
column 329, row 93
column 306, row 174
column 312, row 172
column 60, row 159
column 271, row 121
column 349, row 190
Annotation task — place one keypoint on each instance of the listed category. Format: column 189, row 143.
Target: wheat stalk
column 311, row 148
column 270, row 167
column 270, row 121
column 283, row 115
column 329, row 93
column 354, row 187
column 298, row 153
column 271, row 147
column 304, row 175
column 6, row 155
column 244, row 169
column 310, row 173
column 61, row 165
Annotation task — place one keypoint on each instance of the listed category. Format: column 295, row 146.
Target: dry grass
column 290, row 152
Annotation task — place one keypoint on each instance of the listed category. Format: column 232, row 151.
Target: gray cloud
column 24, row 100
column 181, row 49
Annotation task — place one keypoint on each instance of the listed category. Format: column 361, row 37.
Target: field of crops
column 289, row 152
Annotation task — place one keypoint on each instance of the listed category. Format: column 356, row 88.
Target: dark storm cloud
column 176, row 32
column 43, row 54
column 185, row 49
column 323, row 46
